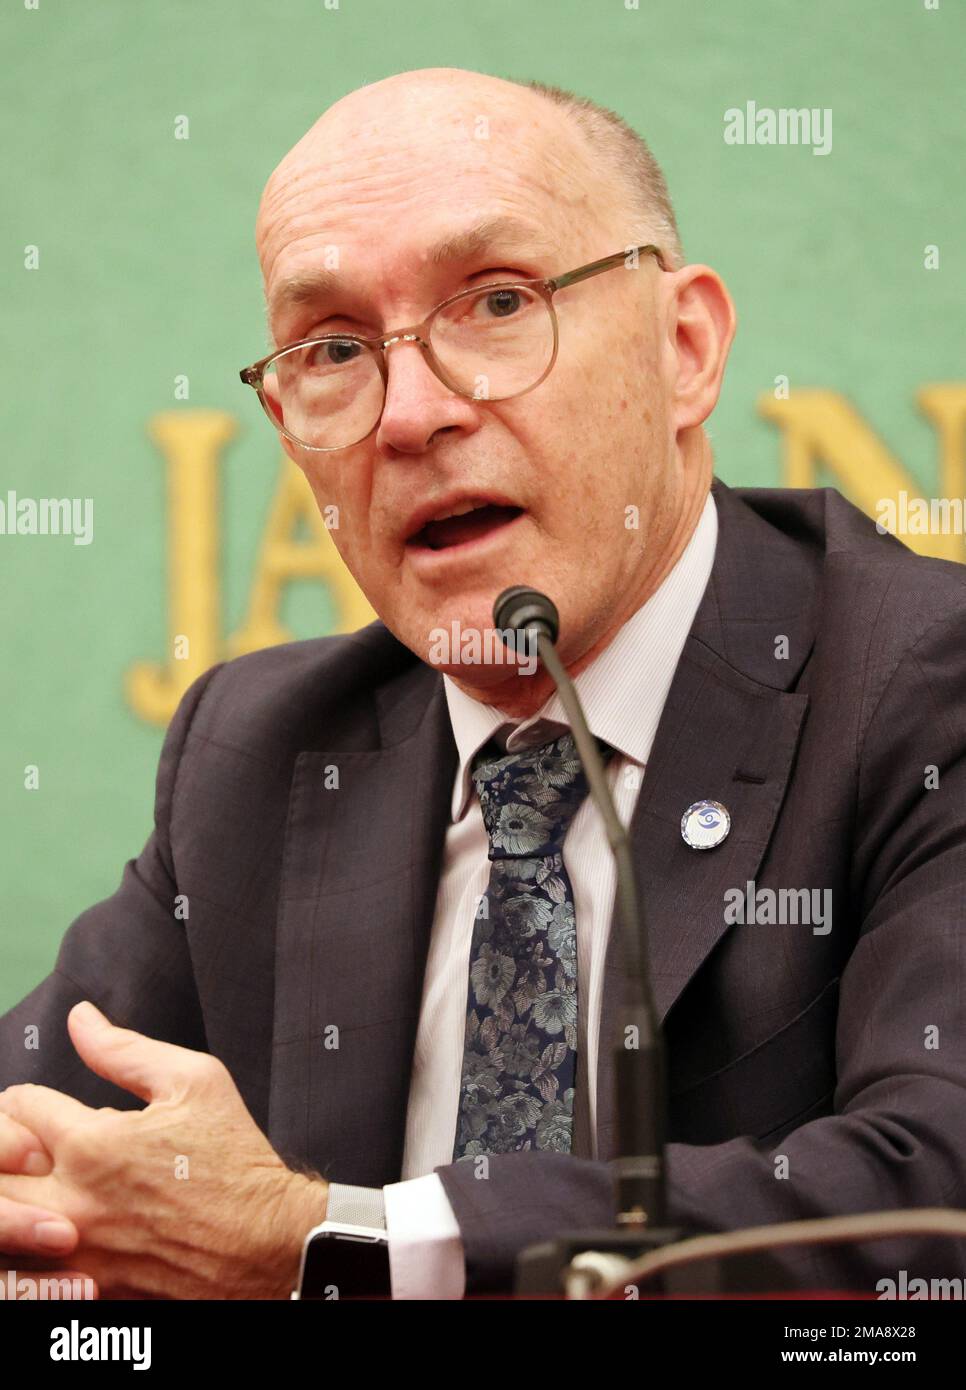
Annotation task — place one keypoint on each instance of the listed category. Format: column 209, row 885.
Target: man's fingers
column 144, row 1066
column 46, row 1113
column 30, row 1230
column 21, row 1151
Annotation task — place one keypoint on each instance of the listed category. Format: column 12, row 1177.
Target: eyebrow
column 310, row 286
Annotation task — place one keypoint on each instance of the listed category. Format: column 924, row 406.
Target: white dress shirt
column 623, row 692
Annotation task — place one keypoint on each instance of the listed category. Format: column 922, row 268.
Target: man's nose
column 418, row 405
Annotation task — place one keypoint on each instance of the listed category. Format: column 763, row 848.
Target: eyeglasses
column 491, row 342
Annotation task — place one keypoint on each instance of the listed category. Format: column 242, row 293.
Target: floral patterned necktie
column 520, row 1046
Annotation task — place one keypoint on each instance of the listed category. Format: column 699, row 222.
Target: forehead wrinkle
column 308, row 286
column 359, row 159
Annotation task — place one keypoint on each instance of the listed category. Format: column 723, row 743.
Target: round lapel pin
column 705, row 824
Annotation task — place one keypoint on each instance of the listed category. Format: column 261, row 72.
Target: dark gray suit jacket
column 310, row 906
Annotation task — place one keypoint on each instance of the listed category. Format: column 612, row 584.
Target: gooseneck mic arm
column 640, row 1066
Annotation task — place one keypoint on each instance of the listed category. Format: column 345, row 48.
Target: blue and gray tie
column 520, row 1046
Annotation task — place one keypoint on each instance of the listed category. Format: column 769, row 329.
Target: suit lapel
column 362, row 861
column 728, row 733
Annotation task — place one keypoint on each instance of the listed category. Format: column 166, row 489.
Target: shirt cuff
column 425, row 1249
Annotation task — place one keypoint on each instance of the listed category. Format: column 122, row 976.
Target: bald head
column 592, row 158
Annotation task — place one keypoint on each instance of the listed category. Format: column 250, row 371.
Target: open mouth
column 471, row 525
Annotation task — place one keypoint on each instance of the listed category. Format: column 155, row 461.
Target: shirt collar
column 624, row 688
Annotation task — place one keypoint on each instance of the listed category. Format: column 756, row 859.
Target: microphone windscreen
column 518, row 608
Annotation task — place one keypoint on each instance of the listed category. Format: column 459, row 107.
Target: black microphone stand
column 639, row 1060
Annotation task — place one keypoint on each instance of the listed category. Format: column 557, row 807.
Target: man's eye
column 502, row 303
column 335, row 353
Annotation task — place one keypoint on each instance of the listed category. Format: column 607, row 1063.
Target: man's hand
column 31, row 1238
column 184, row 1199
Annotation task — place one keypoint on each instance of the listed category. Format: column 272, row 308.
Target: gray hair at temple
column 630, row 155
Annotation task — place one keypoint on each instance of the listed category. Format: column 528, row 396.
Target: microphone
column 640, row 1068
column 518, row 609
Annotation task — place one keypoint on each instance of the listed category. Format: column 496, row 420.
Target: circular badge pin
column 705, row 824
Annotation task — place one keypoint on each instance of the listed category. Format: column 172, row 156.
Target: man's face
column 393, row 177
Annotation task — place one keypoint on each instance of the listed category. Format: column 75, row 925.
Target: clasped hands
column 183, row 1199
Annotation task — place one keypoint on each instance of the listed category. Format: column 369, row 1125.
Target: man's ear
column 701, row 327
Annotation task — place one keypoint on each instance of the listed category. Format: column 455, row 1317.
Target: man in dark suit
column 352, row 951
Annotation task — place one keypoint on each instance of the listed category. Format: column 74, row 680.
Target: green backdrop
column 147, row 272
